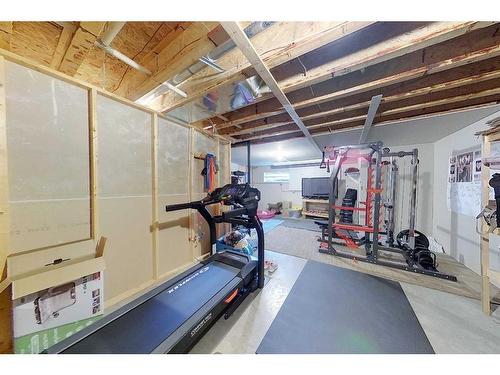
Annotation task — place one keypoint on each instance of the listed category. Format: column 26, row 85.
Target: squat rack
column 374, row 157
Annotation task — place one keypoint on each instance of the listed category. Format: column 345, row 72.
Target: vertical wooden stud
column 93, row 160
column 154, row 190
column 5, row 296
column 485, row 243
column 191, row 213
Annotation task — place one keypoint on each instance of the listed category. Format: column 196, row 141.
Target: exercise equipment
column 174, row 316
column 379, row 216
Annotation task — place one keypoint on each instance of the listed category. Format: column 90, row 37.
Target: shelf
column 315, row 214
column 316, row 201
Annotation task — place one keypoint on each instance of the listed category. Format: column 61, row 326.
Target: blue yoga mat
column 270, row 224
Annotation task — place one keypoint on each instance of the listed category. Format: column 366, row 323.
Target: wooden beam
column 180, row 50
column 277, row 45
column 5, row 296
column 400, row 45
column 5, row 34
column 63, row 44
column 241, row 40
column 275, row 121
column 4, row 176
column 81, row 43
column 372, row 110
column 475, row 46
column 490, row 94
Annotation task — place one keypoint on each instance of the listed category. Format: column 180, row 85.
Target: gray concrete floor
column 245, row 329
column 452, row 323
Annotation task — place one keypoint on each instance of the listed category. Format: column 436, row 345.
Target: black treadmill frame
column 191, row 330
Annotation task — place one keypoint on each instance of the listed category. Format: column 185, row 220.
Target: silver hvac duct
column 251, row 30
column 107, row 38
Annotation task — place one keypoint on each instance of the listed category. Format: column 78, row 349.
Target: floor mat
column 333, row 310
column 270, row 224
column 305, row 224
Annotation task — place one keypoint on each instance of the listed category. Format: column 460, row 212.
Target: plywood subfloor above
column 304, row 244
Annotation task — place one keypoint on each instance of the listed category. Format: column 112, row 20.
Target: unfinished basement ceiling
column 403, row 133
column 329, row 71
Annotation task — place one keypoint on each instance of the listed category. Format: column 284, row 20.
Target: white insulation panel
column 47, row 141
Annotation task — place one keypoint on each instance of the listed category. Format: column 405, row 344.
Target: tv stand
column 315, row 208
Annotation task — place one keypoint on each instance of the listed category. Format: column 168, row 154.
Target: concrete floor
column 453, row 324
column 245, row 329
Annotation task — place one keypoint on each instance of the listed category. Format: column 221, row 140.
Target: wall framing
column 41, row 254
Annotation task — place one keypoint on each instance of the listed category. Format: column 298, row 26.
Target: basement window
column 276, row 177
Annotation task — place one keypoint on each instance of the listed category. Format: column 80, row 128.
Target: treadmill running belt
column 143, row 328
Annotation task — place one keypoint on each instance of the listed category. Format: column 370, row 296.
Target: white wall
column 274, row 192
column 454, row 231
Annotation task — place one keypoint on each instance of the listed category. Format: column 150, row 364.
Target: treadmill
column 174, row 316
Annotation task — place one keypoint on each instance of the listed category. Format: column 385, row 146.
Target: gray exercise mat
column 306, row 224
column 335, row 310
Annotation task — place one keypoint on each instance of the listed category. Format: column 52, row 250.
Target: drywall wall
column 275, row 192
column 200, row 235
column 456, row 232
column 82, row 164
column 174, row 248
column 125, row 194
column 47, row 143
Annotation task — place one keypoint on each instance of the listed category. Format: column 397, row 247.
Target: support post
column 94, row 218
column 485, row 241
column 249, row 162
column 154, row 194
column 5, row 295
column 376, row 199
column 413, row 198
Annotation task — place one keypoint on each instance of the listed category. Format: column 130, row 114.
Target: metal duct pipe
column 107, row 38
column 251, row 30
column 120, row 56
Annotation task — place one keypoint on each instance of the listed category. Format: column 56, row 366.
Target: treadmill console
column 231, row 194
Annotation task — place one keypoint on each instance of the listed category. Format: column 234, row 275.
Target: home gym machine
column 379, row 238
column 174, row 316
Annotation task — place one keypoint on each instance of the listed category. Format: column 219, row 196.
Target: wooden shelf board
column 315, row 201
column 315, row 214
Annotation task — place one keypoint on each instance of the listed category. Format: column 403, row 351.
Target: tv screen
column 316, row 187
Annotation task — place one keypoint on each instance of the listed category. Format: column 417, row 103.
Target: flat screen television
column 316, row 187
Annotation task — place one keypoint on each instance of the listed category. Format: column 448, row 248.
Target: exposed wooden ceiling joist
column 342, row 57
column 398, row 93
column 483, row 97
column 243, row 43
column 63, row 44
column 434, row 33
column 276, row 45
column 468, row 49
column 178, row 51
column 81, row 43
column 5, row 34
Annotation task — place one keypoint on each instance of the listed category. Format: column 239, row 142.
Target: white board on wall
column 125, row 194
column 47, row 141
column 173, row 187
column 297, row 174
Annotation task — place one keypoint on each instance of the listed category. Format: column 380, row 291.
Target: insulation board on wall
column 201, row 144
column 47, row 141
column 173, row 187
column 125, row 194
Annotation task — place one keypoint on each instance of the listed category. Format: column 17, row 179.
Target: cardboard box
column 52, row 301
column 57, row 306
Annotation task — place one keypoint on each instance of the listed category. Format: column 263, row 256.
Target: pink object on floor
column 262, row 214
